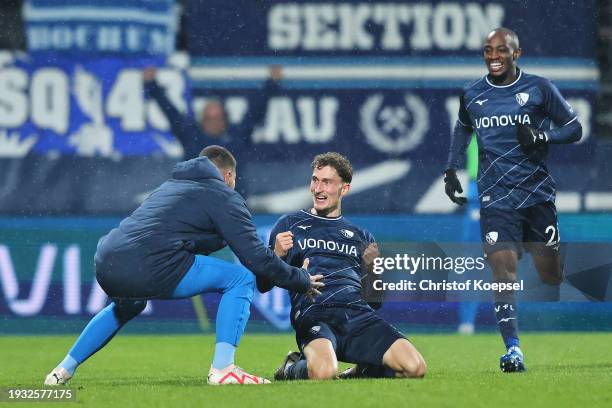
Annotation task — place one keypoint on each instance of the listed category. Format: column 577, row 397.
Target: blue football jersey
column 334, row 247
column 508, row 176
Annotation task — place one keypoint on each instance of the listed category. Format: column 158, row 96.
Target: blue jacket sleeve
column 460, row 138
column 183, row 126
column 233, row 221
column 569, row 129
column 263, row 284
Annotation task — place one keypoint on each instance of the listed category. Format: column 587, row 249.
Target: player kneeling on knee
column 339, row 324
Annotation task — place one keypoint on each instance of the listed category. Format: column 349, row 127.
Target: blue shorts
column 533, row 228
column 358, row 336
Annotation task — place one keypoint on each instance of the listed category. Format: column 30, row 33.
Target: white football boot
column 59, row 376
column 233, row 375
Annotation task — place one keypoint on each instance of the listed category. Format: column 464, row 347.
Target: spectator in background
column 213, row 126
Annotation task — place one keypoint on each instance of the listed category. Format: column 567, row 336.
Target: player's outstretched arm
column 233, row 221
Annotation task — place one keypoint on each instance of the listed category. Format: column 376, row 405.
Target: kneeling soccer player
column 338, row 324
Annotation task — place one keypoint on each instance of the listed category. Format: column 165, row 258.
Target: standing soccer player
column 338, row 324
column 512, row 113
column 161, row 252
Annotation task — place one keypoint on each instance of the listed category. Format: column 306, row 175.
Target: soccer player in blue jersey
column 338, row 324
column 512, row 114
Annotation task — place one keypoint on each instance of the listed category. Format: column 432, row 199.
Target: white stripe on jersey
column 575, row 118
column 491, row 165
column 327, row 298
column 538, row 186
column 512, row 168
column 340, row 270
column 493, row 202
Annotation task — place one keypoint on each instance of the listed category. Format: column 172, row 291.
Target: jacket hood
column 198, row 169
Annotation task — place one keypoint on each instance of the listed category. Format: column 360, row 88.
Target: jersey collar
column 520, row 74
column 322, row 218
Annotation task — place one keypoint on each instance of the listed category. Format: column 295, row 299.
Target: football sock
column 298, row 371
column 224, row 355
column 506, row 315
column 69, row 364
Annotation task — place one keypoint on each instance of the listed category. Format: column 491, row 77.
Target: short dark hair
column 337, row 161
column 220, row 156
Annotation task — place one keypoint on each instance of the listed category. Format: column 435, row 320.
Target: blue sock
column 298, row 371
column 506, row 315
column 69, row 364
column 224, row 355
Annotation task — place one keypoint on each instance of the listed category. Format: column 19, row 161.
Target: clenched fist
column 283, row 243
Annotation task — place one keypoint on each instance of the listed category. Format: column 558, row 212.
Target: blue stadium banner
column 90, row 107
column 383, row 28
column 79, row 90
column 90, row 27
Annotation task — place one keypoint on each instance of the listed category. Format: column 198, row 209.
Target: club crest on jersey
column 315, row 329
column 522, row 98
column 491, row 237
column 347, row 233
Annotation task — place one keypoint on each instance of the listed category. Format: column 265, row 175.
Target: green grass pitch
column 564, row 369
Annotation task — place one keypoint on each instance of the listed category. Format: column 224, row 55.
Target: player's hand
column 370, row 253
column 283, row 243
column 149, row 73
column 452, row 186
column 315, row 282
column 529, row 136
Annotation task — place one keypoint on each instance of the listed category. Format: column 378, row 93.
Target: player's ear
column 345, row 189
column 516, row 54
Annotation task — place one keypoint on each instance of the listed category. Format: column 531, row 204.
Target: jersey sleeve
column 555, row 106
column 568, row 128
column 464, row 117
column 460, row 138
column 264, row 284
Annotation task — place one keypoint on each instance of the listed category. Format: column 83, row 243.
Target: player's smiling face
column 327, row 190
column 500, row 55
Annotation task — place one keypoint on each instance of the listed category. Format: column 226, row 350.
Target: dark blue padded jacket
column 194, row 212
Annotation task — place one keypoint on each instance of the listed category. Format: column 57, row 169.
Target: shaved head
column 510, row 37
column 501, row 52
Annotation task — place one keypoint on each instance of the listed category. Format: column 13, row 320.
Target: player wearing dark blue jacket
column 515, row 116
column 161, row 252
column 337, row 324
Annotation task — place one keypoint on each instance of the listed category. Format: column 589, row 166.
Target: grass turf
column 568, row 369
